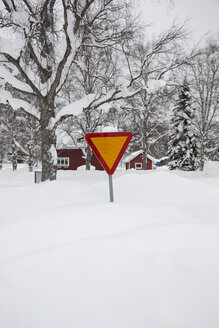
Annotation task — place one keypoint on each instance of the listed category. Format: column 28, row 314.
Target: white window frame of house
column 65, row 161
column 138, row 168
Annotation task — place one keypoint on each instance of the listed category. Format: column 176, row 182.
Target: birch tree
column 19, row 134
column 42, row 41
column 150, row 68
column 94, row 72
column 204, row 81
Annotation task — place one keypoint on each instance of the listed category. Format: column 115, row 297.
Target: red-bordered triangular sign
column 109, row 147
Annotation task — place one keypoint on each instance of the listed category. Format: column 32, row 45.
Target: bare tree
column 204, row 81
column 48, row 37
column 150, row 68
column 11, row 128
column 19, row 136
column 94, row 72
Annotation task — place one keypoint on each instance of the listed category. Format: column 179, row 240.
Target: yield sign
column 109, row 147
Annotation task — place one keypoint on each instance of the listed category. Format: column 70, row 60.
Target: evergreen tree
column 182, row 147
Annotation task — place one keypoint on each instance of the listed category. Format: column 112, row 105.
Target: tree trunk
column 202, row 155
column 0, row 163
column 48, row 148
column 145, row 152
column 88, row 158
column 14, row 157
column 30, row 162
column 144, row 157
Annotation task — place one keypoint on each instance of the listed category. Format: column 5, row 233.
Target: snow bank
column 69, row 258
column 83, row 168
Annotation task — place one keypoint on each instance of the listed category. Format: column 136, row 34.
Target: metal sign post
column 111, row 188
column 109, row 148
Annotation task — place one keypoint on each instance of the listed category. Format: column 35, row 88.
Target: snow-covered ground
column 71, row 259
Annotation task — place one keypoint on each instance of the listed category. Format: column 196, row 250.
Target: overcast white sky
column 203, row 15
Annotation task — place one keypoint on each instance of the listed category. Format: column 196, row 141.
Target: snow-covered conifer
column 183, row 148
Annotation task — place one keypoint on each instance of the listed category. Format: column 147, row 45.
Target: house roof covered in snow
column 163, row 158
column 133, row 155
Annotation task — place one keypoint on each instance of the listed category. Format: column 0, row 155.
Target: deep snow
column 69, row 258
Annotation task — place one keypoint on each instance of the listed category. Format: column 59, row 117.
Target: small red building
column 135, row 161
column 71, row 159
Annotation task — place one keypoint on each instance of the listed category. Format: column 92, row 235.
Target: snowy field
column 71, row 259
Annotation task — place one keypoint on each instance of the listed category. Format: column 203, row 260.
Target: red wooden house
column 135, row 161
column 71, row 159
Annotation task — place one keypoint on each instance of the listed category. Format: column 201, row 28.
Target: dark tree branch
column 15, row 62
column 60, row 121
column 28, row 6
column 61, row 65
column 7, row 7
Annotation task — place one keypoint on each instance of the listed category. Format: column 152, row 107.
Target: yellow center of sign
column 109, row 148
